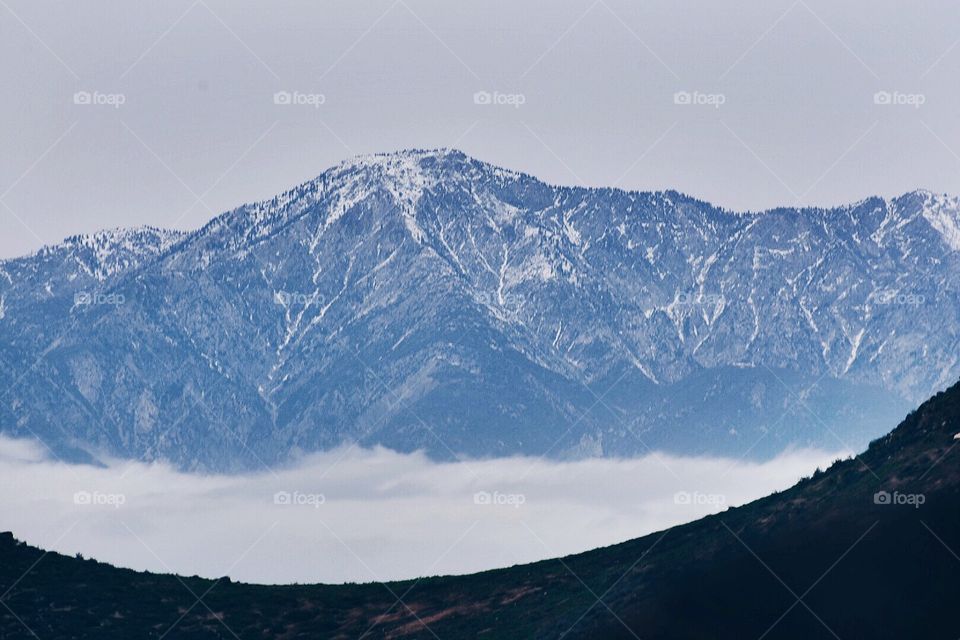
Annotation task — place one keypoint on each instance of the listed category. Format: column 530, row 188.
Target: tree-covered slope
column 865, row 549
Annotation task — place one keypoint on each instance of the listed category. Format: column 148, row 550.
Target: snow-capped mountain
column 424, row 299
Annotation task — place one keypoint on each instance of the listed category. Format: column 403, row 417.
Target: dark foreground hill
column 867, row 549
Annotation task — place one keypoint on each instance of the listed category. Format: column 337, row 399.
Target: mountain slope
column 824, row 559
column 424, row 299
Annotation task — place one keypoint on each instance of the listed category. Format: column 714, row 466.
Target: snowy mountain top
column 943, row 214
column 470, row 285
column 408, row 174
column 134, row 239
column 97, row 255
column 409, row 166
column 108, row 243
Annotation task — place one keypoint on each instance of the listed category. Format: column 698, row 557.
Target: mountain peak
column 457, row 279
column 132, row 237
column 940, row 210
column 388, row 157
column 403, row 163
column 943, row 214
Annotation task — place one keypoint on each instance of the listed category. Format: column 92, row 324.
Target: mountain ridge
column 361, row 160
column 117, row 237
column 429, row 300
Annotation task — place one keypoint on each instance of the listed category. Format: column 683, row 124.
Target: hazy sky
column 182, row 122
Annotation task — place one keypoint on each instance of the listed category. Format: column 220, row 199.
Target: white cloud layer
column 362, row 515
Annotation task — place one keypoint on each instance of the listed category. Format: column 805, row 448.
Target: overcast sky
column 182, row 121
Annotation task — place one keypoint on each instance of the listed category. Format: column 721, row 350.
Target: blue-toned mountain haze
column 426, row 300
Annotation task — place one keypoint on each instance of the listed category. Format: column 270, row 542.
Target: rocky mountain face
column 424, row 299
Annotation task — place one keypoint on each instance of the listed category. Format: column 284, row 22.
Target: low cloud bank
column 364, row 515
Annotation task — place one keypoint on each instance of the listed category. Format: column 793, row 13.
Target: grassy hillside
column 820, row 560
